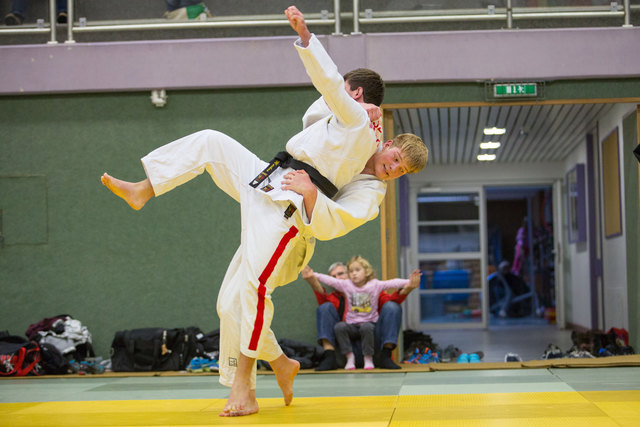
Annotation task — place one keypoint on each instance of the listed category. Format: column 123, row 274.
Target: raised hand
column 414, row 280
column 307, row 272
column 373, row 111
column 296, row 20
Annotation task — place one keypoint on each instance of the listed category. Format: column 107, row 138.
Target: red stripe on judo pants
column 262, row 289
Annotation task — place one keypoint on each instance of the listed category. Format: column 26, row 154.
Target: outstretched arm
column 414, row 282
column 296, row 20
column 310, row 277
column 324, row 72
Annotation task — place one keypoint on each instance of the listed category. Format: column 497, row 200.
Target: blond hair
column 368, row 269
column 414, row 151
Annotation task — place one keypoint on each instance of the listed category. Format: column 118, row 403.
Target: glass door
column 449, row 241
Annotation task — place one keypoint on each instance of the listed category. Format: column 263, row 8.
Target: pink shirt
column 362, row 302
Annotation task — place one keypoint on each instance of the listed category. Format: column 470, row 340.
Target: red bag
column 622, row 334
column 19, row 357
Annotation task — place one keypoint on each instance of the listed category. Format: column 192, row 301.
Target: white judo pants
column 273, row 249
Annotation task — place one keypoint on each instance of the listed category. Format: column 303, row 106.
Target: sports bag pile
column 154, row 349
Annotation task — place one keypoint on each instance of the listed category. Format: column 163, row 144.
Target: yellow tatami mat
column 604, row 408
column 520, row 409
column 508, row 397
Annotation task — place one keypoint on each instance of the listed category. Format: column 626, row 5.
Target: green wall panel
column 23, row 202
column 114, row 268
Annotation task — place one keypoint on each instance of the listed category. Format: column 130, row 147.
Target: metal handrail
column 356, row 20
column 487, row 17
column 323, row 18
column 52, row 20
column 507, row 14
column 70, row 15
column 194, row 24
column 160, row 25
column 401, row 17
column 336, row 14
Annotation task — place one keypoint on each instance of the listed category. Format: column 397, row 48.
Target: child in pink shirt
column 362, row 290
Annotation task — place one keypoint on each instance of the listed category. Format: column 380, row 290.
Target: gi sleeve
column 315, row 112
column 355, row 204
column 330, row 83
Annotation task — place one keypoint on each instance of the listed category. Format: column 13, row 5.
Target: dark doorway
column 521, row 258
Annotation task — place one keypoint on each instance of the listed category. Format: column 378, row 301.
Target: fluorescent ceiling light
column 494, row 131
column 490, row 145
column 486, row 157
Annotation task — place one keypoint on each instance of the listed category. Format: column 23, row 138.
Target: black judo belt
column 284, row 160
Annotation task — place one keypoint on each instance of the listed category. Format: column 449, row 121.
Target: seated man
column 510, row 296
column 331, row 311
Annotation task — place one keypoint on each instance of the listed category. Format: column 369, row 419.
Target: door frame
column 413, row 301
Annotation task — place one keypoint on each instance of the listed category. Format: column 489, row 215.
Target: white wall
column 576, row 260
column 614, row 249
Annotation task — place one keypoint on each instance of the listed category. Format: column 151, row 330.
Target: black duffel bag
column 154, row 349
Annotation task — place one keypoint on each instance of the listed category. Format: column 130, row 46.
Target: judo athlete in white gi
column 282, row 213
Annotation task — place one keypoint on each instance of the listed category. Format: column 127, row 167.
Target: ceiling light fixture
column 490, row 145
column 494, row 131
column 486, row 157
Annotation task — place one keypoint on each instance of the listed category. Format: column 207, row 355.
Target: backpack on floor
column 19, row 356
column 67, row 334
column 153, row 349
column 53, row 362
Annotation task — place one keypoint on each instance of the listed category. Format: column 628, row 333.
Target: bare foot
column 136, row 194
column 286, row 370
column 240, row 403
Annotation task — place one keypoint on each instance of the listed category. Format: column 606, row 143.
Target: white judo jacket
column 338, row 139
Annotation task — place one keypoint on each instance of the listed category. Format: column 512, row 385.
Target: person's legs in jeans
column 367, row 332
column 386, row 334
column 326, row 319
column 345, row 335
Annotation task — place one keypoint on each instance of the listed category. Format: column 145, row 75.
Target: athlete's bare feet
column 286, row 370
column 241, row 402
column 242, row 399
column 136, row 194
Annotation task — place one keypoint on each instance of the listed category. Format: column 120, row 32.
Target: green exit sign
column 515, row 90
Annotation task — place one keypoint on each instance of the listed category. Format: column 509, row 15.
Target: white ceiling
column 534, row 133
